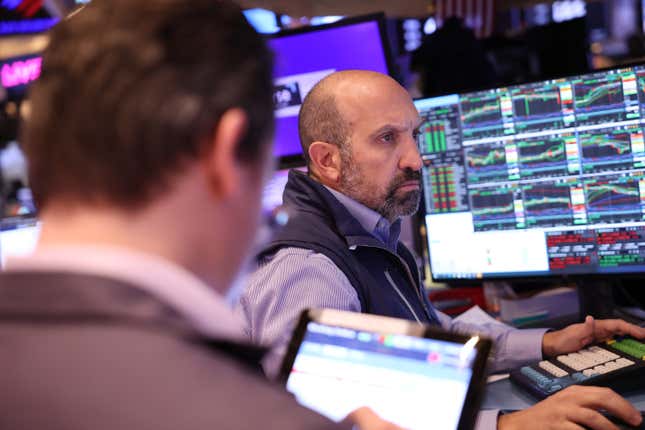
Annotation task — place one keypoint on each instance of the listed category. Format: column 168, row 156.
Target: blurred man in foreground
column 148, row 143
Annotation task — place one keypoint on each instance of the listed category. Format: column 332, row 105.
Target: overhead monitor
column 25, row 17
column 18, row 237
column 305, row 56
column 541, row 179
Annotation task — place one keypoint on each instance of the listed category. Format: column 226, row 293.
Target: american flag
column 477, row 14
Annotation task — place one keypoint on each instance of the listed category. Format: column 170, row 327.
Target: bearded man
column 358, row 131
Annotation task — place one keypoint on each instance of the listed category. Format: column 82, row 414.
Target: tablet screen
column 415, row 382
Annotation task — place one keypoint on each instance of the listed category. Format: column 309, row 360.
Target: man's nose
column 411, row 158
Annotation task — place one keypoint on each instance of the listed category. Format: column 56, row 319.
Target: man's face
column 380, row 165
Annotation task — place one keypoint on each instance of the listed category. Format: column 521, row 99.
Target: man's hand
column 572, row 408
column 577, row 336
column 366, row 419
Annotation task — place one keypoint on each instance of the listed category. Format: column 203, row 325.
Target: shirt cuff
column 526, row 345
column 487, row 419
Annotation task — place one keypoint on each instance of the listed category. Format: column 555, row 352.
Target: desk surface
column 504, row 395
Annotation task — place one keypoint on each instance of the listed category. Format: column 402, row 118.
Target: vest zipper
column 410, row 277
column 389, row 278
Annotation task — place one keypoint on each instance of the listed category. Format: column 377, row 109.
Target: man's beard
column 392, row 206
column 395, row 206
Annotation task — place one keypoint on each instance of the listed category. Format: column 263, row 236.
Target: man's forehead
column 398, row 108
column 412, row 123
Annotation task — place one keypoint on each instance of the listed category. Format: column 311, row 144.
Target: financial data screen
column 414, row 382
column 545, row 178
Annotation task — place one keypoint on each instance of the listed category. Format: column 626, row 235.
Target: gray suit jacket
column 85, row 352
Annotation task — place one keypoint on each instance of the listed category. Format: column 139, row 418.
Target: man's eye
column 389, row 137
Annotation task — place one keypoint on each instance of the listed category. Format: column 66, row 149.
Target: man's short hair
column 131, row 90
column 321, row 120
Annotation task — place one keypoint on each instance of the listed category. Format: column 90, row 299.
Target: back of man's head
column 320, row 118
column 132, row 90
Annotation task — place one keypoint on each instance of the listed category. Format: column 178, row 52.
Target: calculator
column 618, row 363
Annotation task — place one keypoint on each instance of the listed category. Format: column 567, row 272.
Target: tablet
column 410, row 374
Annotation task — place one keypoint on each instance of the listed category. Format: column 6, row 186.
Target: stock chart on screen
column 546, row 178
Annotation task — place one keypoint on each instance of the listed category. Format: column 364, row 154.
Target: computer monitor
column 305, row 56
column 540, row 179
column 274, row 187
column 263, row 20
column 18, row 237
column 19, row 226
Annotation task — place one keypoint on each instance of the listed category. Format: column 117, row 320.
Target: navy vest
column 386, row 283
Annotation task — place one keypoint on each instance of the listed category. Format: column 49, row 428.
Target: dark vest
column 386, row 283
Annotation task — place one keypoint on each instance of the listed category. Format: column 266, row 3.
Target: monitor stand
column 596, row 298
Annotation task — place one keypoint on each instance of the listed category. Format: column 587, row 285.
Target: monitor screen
column 19, row 226
column 16, row 200
column 538, row 179
column 18, row 237
column 304, row 57
column 263, row 20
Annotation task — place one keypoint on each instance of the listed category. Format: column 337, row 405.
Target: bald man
column 358, row 132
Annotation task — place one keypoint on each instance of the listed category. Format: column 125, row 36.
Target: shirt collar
column 170, row 283
column 371, row 220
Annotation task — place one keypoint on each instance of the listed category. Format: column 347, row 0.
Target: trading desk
column 504, row 395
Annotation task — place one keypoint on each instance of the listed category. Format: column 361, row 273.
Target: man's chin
column 409, row 203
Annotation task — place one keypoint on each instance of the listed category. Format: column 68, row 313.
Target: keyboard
column 618, row 363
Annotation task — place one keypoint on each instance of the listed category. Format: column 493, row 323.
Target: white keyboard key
column 603, row 352
column 601, row 369
column 552, row 369
column 589, row 372
column 611, row 365
column 568, row 361
column 577, row 362
column 623, row 362
column 565, row 360
column 575, row 356
column 610, row 355
column 593, row 358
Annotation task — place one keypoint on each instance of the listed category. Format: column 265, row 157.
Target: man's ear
column 221, row 162
column 325, row 161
